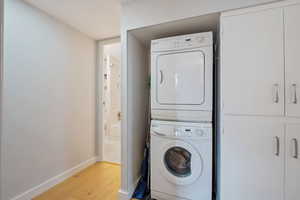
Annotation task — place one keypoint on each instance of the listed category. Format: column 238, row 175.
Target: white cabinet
column 292, row 59
column 252, row 160
column 260, row 90
column 253, row 63
column 292, row 162
column 260, row 62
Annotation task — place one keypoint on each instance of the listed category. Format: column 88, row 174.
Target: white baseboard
column 126, row 195
column 98, row 159
column 33, row 192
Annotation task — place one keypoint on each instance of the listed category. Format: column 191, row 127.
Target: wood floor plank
column 100, row 181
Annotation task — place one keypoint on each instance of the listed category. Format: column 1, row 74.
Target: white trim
column 37, row 190
column 124, row 112
column 99, row 159
column 123, row 195
column 126, row 195
column 1, row 80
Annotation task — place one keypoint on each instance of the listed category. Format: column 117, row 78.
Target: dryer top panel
column 191, row 41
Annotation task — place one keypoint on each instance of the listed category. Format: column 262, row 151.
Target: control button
column 200, row 133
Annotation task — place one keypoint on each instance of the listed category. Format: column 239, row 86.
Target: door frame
column 1, row 77
column 99, row 93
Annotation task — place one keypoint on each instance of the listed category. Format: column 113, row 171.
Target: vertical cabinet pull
column 294, row 94
column 276, row 146
column 276, row 93
column 161, row 77
column 295, row 148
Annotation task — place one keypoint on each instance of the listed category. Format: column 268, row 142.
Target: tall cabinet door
column 292, row 49
column 252, row 160
column 292, row 162
column 253, row 63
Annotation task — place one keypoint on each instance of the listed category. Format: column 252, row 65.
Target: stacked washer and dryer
column 181, row 111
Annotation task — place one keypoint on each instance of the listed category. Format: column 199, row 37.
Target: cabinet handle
column 294, row 95
column 276, row 146
column 295, row 148
column 161, row 77
column 276, row 93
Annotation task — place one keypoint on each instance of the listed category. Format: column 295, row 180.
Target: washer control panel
column 181, row 131
column 182, row 42
column 189, row 132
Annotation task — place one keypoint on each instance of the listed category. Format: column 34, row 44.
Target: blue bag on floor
column 142, row 189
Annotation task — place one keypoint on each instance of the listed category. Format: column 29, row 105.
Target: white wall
column 48, row 99
column 135, row 95
column 141, row 13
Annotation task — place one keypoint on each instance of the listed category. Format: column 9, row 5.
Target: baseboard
column 126, row 195
column 111, row 163
column 29, row 194
column 99, row 159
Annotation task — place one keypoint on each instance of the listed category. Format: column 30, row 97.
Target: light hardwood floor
column 100, row 181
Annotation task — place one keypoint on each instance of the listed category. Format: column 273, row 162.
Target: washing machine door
column 181, row 78
column 181, row 163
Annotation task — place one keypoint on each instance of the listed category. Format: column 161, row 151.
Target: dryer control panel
column 182, row 42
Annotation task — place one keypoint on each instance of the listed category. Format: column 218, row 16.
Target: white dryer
column 181, row 161
column 181, row 77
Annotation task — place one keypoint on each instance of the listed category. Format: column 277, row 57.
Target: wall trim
column 123, row 195
column 37, row 190
column 99, row 159
column 126, row 195
column 1, row 79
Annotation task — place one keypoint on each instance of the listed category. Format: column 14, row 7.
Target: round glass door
column 178, row 161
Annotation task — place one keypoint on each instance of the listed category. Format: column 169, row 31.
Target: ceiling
column 99, row 19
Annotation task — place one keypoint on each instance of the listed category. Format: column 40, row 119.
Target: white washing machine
column 181, row 77
column 181, row 161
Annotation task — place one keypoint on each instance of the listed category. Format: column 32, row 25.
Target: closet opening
column 136, row 78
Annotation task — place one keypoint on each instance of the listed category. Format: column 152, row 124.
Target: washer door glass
column 178, row 161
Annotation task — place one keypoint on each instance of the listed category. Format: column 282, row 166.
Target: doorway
column 110, row 102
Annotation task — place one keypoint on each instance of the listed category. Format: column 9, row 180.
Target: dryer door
column 181, row 78
column 181, row 164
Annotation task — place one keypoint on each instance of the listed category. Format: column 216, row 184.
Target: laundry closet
column 177, row 60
